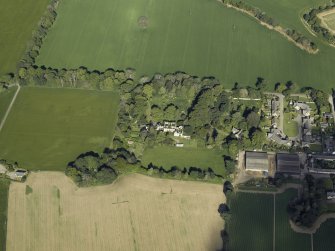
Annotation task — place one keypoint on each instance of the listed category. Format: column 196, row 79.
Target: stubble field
column 49, row 212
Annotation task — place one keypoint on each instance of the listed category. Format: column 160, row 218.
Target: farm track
column 10, row 107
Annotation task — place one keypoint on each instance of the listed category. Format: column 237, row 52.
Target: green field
column 4, row 186
column 251, row 224
column 286, row 238
column 18, row 19
column 47, row 128
column 324, row 237
column 169, row 156
column 290, row 126
column 5, row 99
column 200, row 37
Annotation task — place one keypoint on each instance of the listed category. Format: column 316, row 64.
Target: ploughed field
column 18, row 19
column 47, row 128
column 4, row 186
column 49, row 212
column 200, row 37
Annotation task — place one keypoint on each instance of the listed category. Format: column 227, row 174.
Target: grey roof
column 288, row 163
column 257, row 161
column 325, row 157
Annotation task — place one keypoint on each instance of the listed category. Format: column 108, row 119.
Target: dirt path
column 10, row 107
column 312, row 230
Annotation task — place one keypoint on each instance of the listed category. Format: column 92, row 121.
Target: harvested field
column 49, row 212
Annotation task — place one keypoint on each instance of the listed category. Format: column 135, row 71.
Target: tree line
column 315, row 23
column 263, row 17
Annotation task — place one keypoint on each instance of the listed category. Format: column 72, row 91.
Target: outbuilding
column 256, row 161
column 288, row 163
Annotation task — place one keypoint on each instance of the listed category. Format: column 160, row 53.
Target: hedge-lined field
column 47, row 128
column 169, row 156
column 18, row 19
column 195, row 36
column 251, row 223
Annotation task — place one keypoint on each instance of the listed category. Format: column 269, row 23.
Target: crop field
column 324, row 237
column 135, row 213
column 18, row 20
column 286, row 238
column 4, row 186
column 5, row 99
column 251, row 223
column 169, row 156
column 47, row 128
column 199, row 37
column 252, row 217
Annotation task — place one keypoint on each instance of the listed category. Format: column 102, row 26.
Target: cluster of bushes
column 96, row 169
column 315, row 23
column 264, row 18
column 39, row 34
column 305, row 210
column 324, row 164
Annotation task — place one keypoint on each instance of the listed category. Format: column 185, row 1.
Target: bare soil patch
column 134, row 213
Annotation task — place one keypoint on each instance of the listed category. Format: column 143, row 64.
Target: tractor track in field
column 10, row 106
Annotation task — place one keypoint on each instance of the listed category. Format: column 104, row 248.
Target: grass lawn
column 251, row 224
column 290, row 126
column 286, row 238
column 200, row 37
column 169, row 156
column 324, row 237
column 5, row 99
column 4, row 186
column 315, row 147
column 47, row 128
column 18, row 19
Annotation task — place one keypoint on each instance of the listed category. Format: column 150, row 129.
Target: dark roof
column 325, row 157
column 257, row 161
column 288, row 163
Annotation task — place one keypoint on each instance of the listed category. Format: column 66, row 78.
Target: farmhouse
column 256, row 161
column 288, row 163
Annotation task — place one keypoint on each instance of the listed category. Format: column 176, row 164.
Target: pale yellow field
column 328, row 20
column 134, row 213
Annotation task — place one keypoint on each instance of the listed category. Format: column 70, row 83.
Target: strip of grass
column 251, row 224
column 290, row 126
column 199, row 37
column 48, row 128
column 18, row 19
column 324, row 237
column 5, row 99
column 169, row 156
column 286, row 238
column 4, row 186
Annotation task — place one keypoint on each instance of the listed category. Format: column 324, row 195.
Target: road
column 10, row 106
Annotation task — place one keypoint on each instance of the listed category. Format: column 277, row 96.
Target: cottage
column 179, row 145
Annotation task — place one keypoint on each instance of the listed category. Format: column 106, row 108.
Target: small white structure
column 178, row 131
column 330, row 195
column 179, row 145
